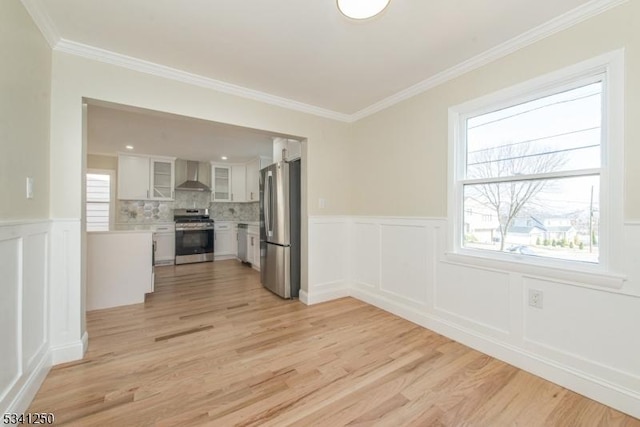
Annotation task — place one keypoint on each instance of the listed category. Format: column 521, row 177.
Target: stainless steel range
column 194, row 235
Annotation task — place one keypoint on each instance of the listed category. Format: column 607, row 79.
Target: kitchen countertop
column 237, row 222
column 141, row 227
column 121, row 231
column 249, row 222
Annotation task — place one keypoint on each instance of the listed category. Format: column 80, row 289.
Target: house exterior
column 525, row 235
column 531, row 231
column 480, row 222
column 381, row 237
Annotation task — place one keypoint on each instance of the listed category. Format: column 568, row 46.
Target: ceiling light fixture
column 224, row 157
column 361, row 9
column 129, row 147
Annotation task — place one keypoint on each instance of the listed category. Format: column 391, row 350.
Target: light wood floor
column 211, row 346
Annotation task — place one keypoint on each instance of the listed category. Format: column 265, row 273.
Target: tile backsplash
column 191, row 199
column 143, row 211
column 149, row 211
column 235, row 211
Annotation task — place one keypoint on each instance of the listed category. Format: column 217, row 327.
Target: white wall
column 393, row 164
column 399, row 155
column 25, row 82
column 584, row 337
column 24, row 353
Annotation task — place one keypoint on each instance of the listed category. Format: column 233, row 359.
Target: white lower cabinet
column 225, row 245
column 165, row 249
column 253, row 247
column 164, row 241
column 249, row 250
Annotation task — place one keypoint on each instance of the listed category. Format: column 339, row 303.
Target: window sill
column 591, row 276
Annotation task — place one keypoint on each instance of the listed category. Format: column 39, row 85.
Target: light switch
column 322, row 203
column 29, row 187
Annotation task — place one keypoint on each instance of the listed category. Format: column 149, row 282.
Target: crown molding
column 43, row 21
column 113, row 58
column 562, row 22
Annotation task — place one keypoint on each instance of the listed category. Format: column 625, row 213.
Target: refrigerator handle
column 267, row 196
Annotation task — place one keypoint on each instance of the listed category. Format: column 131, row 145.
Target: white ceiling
column 111, row 127
column 301, row 50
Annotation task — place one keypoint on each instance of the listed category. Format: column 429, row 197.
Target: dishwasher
column 242, row 242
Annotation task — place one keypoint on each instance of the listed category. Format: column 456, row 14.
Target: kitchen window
column 99, row 200
column 536, row 169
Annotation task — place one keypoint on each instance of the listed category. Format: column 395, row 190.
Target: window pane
column 98, row 188
column 556, row 218
column 560, row 132
column 98, row 200
column 97, row 216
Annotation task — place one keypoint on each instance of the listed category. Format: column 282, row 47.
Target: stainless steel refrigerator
column 280, row 228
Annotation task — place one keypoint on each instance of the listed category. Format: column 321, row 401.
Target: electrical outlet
column 535, row 298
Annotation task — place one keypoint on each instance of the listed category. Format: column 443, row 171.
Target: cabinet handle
column 251, row 240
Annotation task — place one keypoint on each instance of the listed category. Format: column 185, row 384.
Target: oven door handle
column 194, row 229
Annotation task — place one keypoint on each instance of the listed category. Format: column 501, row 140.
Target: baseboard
column 85, row 343
column 304, row 297
column 325, row 292
column 31, row 385
column 69, row 352
column 622, row 399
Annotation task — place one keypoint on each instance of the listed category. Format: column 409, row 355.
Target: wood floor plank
column 212, row 347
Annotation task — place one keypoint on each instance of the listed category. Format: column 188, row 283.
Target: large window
column 532, row 170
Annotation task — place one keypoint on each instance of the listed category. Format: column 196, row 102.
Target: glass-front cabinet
column 142, row 177
column 221, row 180
column 162, row 179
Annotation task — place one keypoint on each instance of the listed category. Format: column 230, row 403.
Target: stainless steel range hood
column 193, row 176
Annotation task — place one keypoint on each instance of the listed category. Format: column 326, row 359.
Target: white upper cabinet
column 133, row 177
column 221, row 183
column 253, row 180
column 145, row 178
column 238, row 183
column 253, row 177
column 286, row 149
column 162, row 178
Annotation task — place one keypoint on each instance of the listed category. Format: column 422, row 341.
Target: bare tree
column 511, row 160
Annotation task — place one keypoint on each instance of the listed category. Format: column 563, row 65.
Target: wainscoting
column 41, row 305
column 68, row 339
column 584, row 338
column 24, row 318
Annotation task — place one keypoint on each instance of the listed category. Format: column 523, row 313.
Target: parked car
column 521, row 249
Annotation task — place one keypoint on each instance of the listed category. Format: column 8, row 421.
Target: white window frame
column 611, row 67
column 112, row 193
